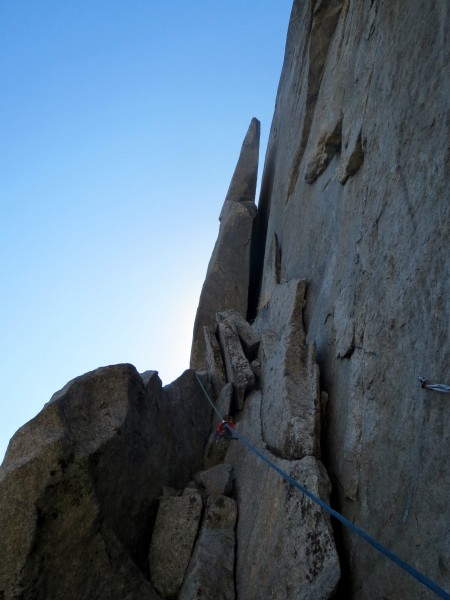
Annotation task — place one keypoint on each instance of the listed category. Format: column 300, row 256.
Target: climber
column 223, row 431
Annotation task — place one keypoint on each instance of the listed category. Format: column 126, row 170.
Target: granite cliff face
column 355, row 195
column 319, row 310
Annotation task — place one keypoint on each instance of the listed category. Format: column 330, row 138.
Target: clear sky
column 120, row 126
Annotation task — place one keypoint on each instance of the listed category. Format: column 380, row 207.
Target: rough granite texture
column 285, row 544
column 210, row 574
column 369, row 231
column 248, row 338
column 79, row 482
column 237, row 367
column 216, row 480
column 173, row 538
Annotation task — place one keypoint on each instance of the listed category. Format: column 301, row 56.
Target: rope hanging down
column 431, row 585
column 435, row 387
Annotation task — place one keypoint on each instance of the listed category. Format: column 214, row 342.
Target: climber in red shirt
column 223, row 431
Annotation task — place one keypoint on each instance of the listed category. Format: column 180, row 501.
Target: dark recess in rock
column 259, row 233
column 329, row 144
column 354, row 160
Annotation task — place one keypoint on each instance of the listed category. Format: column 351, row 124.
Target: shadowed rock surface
column 249, row 340
column 79, row 481
column 217, row 480
column 237, row 367
column 215, row 452
column 214, row 361
column 173, row 538
column 211, row 570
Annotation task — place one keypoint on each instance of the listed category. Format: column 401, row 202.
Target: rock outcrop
column 173, row 539
column 286, row 547
column 282, row 417
column 79, row 484
column 217, row 480
column 290, row 411
column 237, row 365
column 192, row 554
column 227, row 278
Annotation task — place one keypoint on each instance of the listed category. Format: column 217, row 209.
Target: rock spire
column 227, row 277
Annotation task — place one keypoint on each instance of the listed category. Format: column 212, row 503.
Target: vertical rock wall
column 356, row 192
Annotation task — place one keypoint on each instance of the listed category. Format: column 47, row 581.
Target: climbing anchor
column 435, row 387
column 224, row 431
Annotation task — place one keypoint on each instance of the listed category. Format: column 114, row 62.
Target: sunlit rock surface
column 355, row 189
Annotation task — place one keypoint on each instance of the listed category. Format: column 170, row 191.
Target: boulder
column 215, row 451
column 150, row 379
column 290, row 411
column 249, row 339
column 173, row 539
column 185, row 418
column 221, row 513
column 237, row 366
column 79, row 483
column 76, row 488
column 227, row 278
column 211, row 570
column 216, row 480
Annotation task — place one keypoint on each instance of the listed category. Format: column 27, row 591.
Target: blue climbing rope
column 431, row 585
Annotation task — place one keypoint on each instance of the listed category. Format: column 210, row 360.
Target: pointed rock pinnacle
column 227, row 279
column 243, row 183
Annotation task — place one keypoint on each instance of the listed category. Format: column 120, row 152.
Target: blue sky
column 121, row 123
